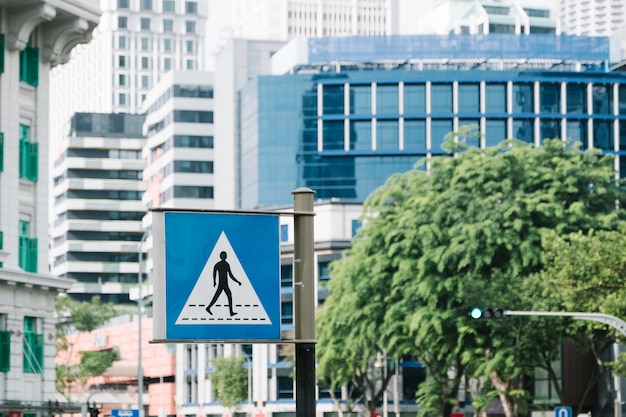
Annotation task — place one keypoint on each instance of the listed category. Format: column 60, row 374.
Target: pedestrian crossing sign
column 216, row 276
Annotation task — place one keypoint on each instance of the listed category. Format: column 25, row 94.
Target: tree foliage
column 465, row 232
column 72, row 317
column 230, row 380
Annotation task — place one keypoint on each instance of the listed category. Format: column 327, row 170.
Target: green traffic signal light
column 486, row 313
column 476, row 313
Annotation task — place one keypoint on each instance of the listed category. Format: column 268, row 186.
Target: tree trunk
column 502, row 388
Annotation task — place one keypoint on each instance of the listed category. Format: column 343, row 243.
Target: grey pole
column 304, row 301
column 139, row 316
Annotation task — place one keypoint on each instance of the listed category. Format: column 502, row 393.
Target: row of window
column 472, row 98
column 145, row 63
column 413, row 135
column 181, row 116
column 167, row 6
column 182, row 90
column 32, row 357
column 166, row 44
column 145, row 25
column 103, row 153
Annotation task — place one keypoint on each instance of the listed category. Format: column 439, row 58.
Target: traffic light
column 486, row 313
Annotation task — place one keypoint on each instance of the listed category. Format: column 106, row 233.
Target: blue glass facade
column 343, row 134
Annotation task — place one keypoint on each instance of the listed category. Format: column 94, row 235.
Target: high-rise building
column 592, row 17
column 343, row 114
column 97, row 205
column 34, row 37
column 288, row 19
column 474, row 17
column 136, row 42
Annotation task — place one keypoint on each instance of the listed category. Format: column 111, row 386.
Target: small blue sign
column 562, row 411
column 123, row 412
column 222, row 276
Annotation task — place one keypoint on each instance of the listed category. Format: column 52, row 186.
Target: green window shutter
column 1, row 151
column 33, row 159
column 23, row 252
column 33, row 352
column 31, row 259
column 25, row 133
column 24, row 158
column 29, row 65
column 33, row 67
column 5, row 351
column 1, row 53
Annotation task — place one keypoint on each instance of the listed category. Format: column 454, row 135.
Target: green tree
column 76, row 368
column 230, row 381
column 464, row 233
column 591, row 276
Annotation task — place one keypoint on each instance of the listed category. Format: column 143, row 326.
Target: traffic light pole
column 615, row 322
column 304, row 301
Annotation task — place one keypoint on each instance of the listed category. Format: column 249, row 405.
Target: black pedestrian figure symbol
column 223, row 268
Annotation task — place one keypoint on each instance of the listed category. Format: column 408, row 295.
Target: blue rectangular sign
column 124, row 412
column 221, row 276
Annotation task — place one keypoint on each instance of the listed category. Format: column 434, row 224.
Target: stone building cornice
column 64, row 24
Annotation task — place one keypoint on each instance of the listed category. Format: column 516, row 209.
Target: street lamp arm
column 615, row 322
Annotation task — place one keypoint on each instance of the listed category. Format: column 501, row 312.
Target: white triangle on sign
column 246, row 305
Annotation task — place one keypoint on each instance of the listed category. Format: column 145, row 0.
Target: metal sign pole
column 304, row 301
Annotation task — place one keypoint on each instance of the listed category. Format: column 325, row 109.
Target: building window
column 145, row 44
column 169, row 6
column 121, row 42
column 323, row 272
column 523, row 98
column 414, row 134
column 2, row 53
column 550, row 98
column 414, row 98
column 191, row 47
column 121, row 61
column 286, row 312
column 145, row 5
column 333, row 99
column 145, row 81
column 167, row 45
column 191, row 7
column 387, row 135
column 284, row 233
column 29, row 66
column 121, row 98
column 286, row 275
column 387, row 99
column 167, row 64
column 29, row 155
column 190, row 64
column 439, row 130
column 121, row 80
column 495, row 98
column 27, row 248
column 190, row 26
column 33, row 347
column 145, row 23
column 441, row 98
column 122, row 22
column 356, row 225
column 469, row 98
column 122, row 4
column 145, row 62
column 168, row 25
column 5, row 342
column 360, row 99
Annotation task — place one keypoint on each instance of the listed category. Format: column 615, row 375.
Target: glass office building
column 358, row 111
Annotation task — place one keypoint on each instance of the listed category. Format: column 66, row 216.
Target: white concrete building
column 489, row 16
column 97, row 205
column 287, row 19
column 136, row 42
column 34, row 37
column 179, row 148
column 592, row 17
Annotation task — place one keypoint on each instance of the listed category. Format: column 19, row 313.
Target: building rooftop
column 493, row 51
